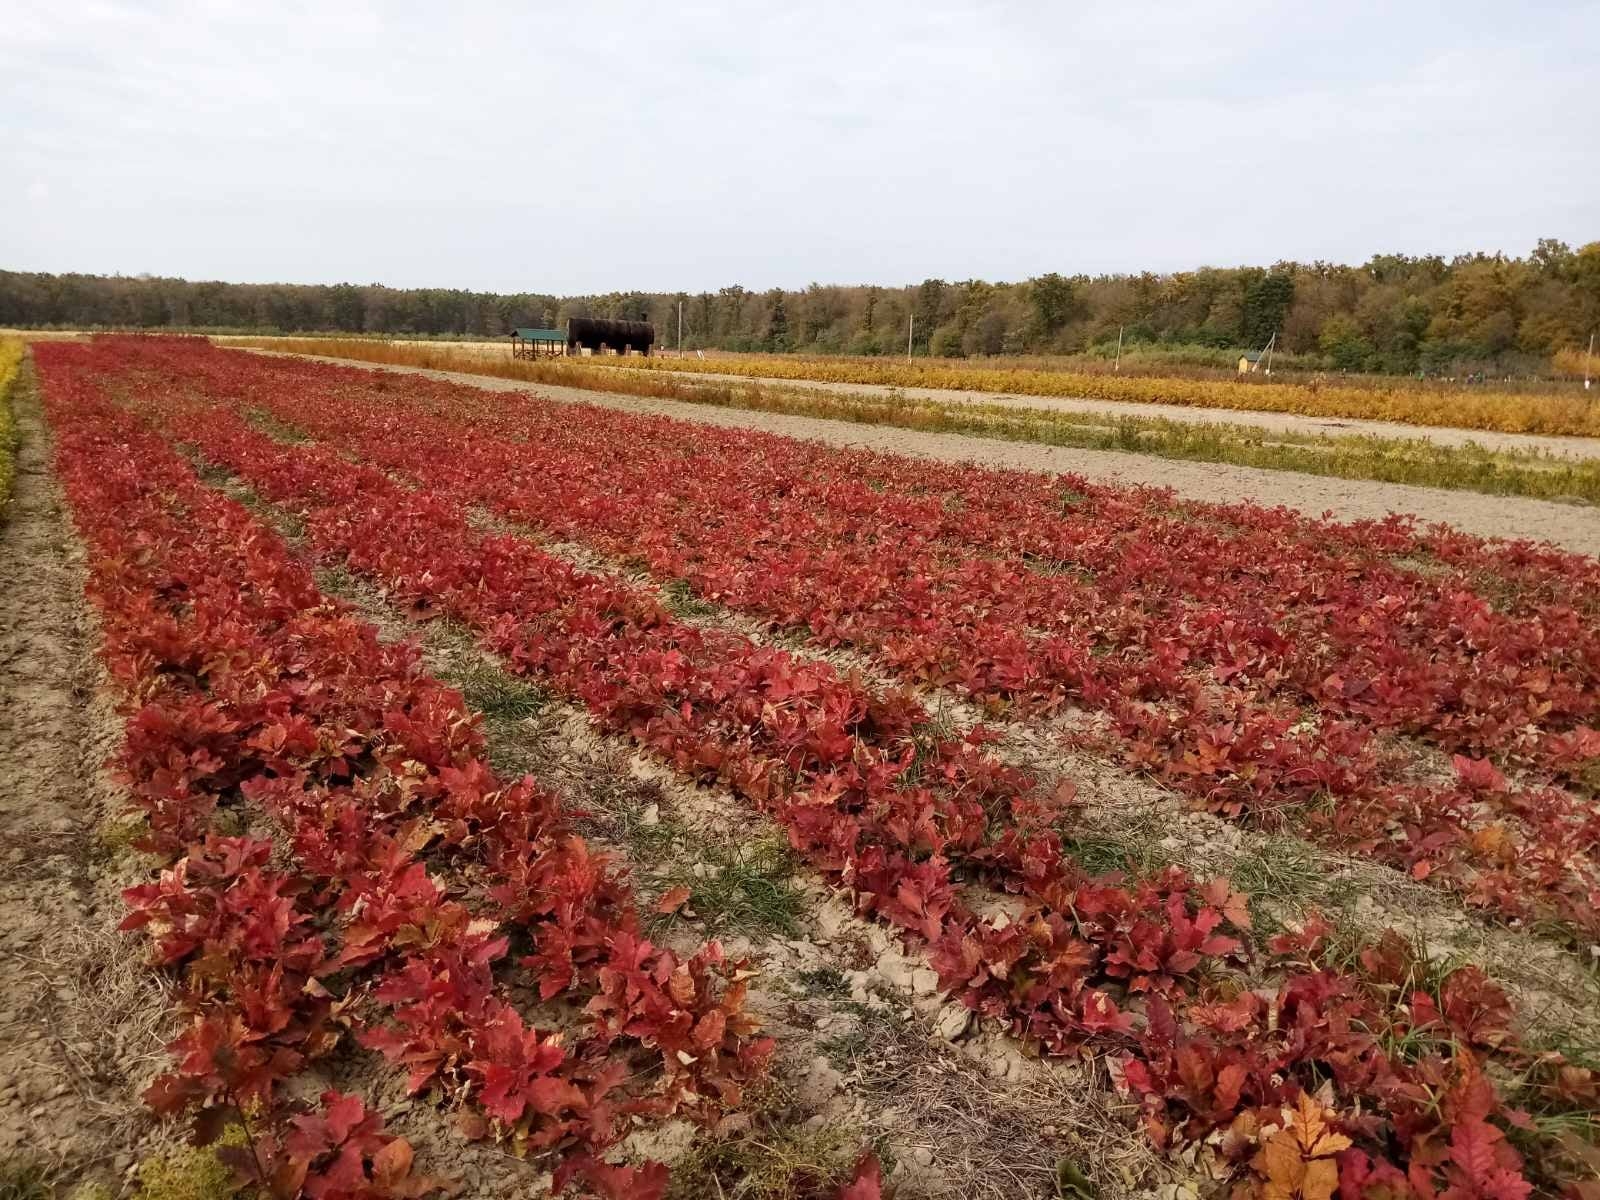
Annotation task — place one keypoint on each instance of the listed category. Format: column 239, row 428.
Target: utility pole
column 1117, row 366
column 1588, row 361
column 1272, row 341
column 680, row 326
column 911, row 326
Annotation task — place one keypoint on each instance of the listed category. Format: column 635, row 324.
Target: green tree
column 1551, row 257
column 1344, row 344
column 1266, row 302
column 946, row 342
column 1586, row 285
column 928, row 307
column 1054, row 300
column 346, row 308
column 776, row 336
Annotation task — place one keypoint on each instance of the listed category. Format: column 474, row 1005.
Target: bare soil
column 1571, row 527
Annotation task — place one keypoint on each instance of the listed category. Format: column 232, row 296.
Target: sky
column 597, row 146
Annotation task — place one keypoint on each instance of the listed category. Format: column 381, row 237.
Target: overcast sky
column 593, row 146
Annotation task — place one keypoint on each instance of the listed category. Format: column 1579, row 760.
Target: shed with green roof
column 532, row 343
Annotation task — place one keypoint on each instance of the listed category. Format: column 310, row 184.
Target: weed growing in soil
column 1071, row 1183
column 275, row 429
column 337, row 581
column 683, row 603
column 191, row 1172
column 114, row 838
column 498, row 695
column 1280, row 875
column 745, row 890
column 871, row 1027
column 647, row 843
column 824, row 981
column 23, row 1179
column 1134, row 848
column 776, row 1155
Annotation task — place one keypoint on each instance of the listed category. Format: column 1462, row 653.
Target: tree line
column 1395, row 313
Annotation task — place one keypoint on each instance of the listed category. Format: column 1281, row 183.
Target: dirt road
column 1566, row 447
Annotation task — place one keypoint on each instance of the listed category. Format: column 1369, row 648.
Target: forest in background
column 1393, row 314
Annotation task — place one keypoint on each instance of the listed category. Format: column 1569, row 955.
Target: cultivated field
column 512, row 796
column 1546, row 411
column 1276, row 435
column 1565, row 524
column 1550, row 408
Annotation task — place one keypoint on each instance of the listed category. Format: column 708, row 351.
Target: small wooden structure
column 536, row 343
column 1252, row 361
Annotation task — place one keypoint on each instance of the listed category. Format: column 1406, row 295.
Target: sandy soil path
column 1572, row 527
column 1567, row 447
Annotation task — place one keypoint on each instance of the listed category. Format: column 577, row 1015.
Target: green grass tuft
column 23, row 1179
column 747, row 890
column 779, row 1156
column 191, row 1172
column 499, row 695
column 681, row 601
column 824, row 981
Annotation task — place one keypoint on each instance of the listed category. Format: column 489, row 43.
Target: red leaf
column 673, row 899
column 866, row 1181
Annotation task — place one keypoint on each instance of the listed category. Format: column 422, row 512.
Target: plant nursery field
column 415, row 789
column 1284, row 428
column 1567, row 411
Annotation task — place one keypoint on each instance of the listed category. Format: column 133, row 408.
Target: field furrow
column 1275, row 670
column 250, row 693
column 1214, row 1031
column 829, row 988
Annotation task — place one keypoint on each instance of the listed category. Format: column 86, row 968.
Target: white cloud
column 616, row 145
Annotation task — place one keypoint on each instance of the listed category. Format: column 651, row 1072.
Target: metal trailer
column 595, row 334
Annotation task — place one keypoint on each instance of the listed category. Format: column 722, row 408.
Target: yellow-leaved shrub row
column 10, row 364
column 1412, row 403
